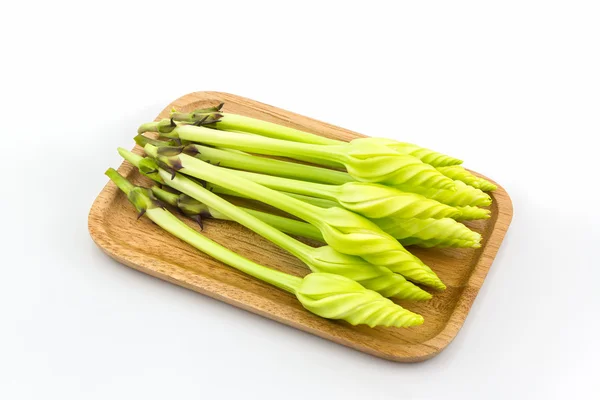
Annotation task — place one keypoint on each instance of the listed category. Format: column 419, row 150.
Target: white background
column 512, row 87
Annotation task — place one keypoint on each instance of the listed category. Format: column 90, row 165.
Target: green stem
column 120, row 181
column 236, row 122
column 129, row 156
column 270, row 166
column 328, row 192
column 142, row 140
column 211, row 200
column 319, row 162
column 311, row 160
column 257, row 144
column 287, row 225
column 173, row 225
column 167, row 197
column 177, row 228
column 315, row 201
column 219, row 176
column 147, row 127
column 240, row 123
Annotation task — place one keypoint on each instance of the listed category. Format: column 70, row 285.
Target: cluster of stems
column 364, row 200
column 324, row 294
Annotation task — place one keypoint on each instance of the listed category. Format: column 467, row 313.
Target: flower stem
column 288, row 225
column 220, row 177
column 319, row 190
column 234, row 122
column 177, row 228
column 171, row 224
column 121, row 182
column 129, row 156
column 258, row 144
column 269, row 166
column 321, row 259
column 235, row 213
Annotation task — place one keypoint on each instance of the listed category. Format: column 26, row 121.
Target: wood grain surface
column 144, row 246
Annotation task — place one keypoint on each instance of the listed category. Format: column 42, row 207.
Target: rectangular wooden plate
column 142, row 245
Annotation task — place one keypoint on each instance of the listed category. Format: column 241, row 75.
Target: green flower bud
column 336, row 297
column 350, row 233
column 444, row 232
column 379, row 201
column 370, row 162
column 427, row 156
column 469, row 213
column 464, row 195
column 380, row 279
column 458, row 173
column 396, row 286
column 404, row 263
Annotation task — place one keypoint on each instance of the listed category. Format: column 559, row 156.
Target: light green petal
column 336, row 297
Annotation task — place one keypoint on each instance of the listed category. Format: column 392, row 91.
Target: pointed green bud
column 379, row 201
column 371, row 162
column 427, row 156
column 350, row 233
column 380, row 279
column 429, row 232
column 336, row 297
column 407, row 265
column 396, row 286
column 470, row 213
column 458, row 173
column 464, row 195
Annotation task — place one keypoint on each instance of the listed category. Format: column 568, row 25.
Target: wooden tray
column 142, row 245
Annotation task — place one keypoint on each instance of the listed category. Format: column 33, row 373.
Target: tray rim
column 414, row 352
